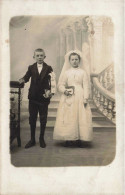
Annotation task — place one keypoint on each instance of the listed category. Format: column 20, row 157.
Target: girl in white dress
column 74, row 118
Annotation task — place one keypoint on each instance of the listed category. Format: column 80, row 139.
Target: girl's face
column 74, row 61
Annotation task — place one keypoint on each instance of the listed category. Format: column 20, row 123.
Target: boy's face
column 39, row 56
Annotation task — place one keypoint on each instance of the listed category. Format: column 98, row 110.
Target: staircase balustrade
column 106, row 77
column 104, row 99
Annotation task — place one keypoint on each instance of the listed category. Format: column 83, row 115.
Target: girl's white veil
column 67, row 64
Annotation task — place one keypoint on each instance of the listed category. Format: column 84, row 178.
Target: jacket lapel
column 43, row 72
column 36, row 70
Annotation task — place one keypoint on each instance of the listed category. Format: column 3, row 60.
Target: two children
column 74, row 119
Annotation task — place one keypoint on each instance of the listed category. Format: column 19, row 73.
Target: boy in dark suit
column 39, row 95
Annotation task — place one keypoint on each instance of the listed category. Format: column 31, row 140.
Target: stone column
column 90, row 43
column 97, row 46
column 77, row 36
column 58, row 53
column 84, row 30
column 87, row 47
column 108, row 30
column 69, row 38
column 62, row 47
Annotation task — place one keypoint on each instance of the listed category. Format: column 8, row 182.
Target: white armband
column 53, row 82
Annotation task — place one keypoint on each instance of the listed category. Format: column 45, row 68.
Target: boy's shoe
column 67, row 143
column 78, row 143
column 30, row 144
column 42, row 143
column 87, row 144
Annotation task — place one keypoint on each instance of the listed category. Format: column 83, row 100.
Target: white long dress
column 74, row 121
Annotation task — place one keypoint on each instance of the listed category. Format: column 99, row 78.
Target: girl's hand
column 66, row 93
column 85, row 104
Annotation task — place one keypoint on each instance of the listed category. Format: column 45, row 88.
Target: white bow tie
column 39, row 65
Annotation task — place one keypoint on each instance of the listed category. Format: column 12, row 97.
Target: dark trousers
column 35, row 108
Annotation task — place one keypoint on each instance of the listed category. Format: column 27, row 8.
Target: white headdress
column 67, row 64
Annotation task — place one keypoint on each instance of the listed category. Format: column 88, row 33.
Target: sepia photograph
column 62, row 97
column 62, row 91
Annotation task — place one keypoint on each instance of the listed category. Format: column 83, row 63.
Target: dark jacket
column 39, row 82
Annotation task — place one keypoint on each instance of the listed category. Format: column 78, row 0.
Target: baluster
column 105, row 80
column 114, row 113
column 101, row 103
column 109, row 115
column 98, row 97
column 108, row 78
column 93, row 89
column 111, row 75
column 105, row 106
column 93, row 92
column 96, row 92
column 13, row 101
column 16, row 105
column 101, row 79
column 12, row 96
column 21, row 96
column 95, row 96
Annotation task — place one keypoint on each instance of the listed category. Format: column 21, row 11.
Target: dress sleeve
column 85, row 87
column 63, row 84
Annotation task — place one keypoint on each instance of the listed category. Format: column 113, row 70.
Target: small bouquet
column 47, row 93
column 70, row 89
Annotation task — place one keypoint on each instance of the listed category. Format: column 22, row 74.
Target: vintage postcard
column 62, row 98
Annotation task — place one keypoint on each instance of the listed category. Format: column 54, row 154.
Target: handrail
column 104, row 92
column 106, row 68
column 106, row 77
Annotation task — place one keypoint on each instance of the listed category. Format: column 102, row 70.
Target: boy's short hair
column 39, row 50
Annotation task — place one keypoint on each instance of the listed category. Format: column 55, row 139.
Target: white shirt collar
column 39, row 65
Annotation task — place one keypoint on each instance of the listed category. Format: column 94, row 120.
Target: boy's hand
column 21, row 81
column 48, row 94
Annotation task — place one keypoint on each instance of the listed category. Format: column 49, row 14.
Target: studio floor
column 100, row 153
